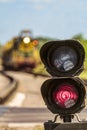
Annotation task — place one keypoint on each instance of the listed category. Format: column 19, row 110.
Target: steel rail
column 8, row 88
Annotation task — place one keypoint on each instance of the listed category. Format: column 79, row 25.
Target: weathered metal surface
column 72, row 126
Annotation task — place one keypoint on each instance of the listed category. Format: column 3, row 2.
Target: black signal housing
column 49, row 48
column 51, row 85
column 64, row 94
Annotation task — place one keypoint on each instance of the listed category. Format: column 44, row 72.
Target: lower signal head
column 64, row 95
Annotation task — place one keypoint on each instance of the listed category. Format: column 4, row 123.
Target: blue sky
column 60, row 19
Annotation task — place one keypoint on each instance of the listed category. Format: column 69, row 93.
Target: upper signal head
column 63, row 58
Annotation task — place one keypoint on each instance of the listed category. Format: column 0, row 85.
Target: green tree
column 78, row 36
column 83, row 41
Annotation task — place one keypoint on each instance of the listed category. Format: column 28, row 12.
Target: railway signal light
column 64, row 94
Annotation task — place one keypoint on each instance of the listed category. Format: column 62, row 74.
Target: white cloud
column 39, row 1
column 39, row 4
column 6, row 1
column 38, row 7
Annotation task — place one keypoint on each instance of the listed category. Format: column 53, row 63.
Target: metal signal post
column 64, row 94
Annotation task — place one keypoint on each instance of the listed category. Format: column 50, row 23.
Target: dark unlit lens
column 64, row 58
column 65, row 96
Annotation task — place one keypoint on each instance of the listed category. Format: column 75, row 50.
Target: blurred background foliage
column 83, row 41
column 42, row 40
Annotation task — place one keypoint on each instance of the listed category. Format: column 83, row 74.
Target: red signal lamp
column 66, row 95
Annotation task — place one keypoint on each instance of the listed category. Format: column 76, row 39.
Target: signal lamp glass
column 65, row 96
column 64, row 58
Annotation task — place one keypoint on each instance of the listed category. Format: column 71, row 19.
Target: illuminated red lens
column 65, row 96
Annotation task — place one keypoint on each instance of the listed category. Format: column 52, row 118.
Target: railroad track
column 32, row 115
column 7, row 89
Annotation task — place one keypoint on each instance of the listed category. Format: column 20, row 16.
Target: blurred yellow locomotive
column 21, row 52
